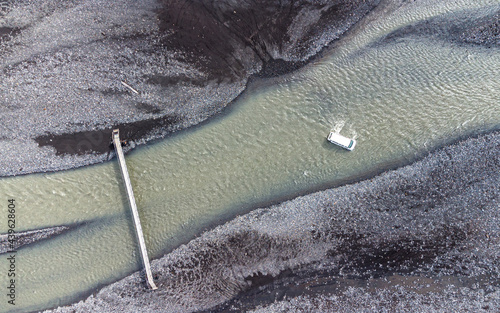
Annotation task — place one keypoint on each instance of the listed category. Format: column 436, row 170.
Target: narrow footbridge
column 133, row 206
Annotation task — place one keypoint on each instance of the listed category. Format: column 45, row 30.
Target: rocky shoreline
column 432, row 219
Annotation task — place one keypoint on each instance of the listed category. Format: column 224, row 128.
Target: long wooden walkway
column 133, row 206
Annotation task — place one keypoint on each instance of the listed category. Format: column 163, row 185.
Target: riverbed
column 400, row 99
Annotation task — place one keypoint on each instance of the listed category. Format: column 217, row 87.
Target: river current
column 399, row 99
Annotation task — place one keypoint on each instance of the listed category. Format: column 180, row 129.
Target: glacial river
column 399, row 100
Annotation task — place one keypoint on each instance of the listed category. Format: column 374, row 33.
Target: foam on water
column 398, row 100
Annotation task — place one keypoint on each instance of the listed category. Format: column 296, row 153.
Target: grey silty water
column 398, row 99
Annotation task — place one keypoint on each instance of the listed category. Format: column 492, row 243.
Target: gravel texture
column 433, row 225
column 19, row 239
column 396, row 299
column 63, row 64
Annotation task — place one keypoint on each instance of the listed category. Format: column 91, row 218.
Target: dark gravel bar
column 23, row 238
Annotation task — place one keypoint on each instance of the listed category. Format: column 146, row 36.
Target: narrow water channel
column 398, row 100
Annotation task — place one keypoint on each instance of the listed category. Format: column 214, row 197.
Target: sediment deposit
column 63, row 65
column 436, row 218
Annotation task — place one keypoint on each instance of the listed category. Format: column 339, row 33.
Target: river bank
column 183, row 68
column 71, row 72
column 435, row 218
column 421, row 89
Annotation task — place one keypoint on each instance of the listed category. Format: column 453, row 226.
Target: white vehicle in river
column 341, row 141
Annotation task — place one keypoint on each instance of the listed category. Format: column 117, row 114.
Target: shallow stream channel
column 398, row 96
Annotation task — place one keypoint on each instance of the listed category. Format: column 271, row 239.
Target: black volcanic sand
column 23, row 238
column 397, row 299
column 425, row 237
column 62, row 64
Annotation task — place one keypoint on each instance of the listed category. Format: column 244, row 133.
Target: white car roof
column 339, row 139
